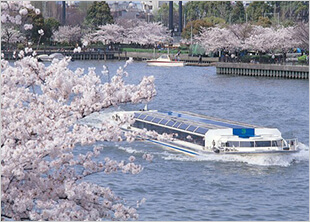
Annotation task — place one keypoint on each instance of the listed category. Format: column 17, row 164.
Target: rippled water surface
column 215, row 187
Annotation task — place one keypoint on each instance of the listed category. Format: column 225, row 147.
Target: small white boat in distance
column 196, row 134
column 165, row 60
column 49, row 58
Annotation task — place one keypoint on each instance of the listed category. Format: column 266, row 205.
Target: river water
column 215, row 187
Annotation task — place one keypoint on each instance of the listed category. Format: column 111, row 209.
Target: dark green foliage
column 294, row 10
column 196, row 25
column 264, row 22
column 99, row 14
column 286, row 12
column 258, row 9
column 50, row 25
column 195, row 10
column 238, row 13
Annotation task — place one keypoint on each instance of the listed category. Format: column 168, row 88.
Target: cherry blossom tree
column 149, row 34
column 87, row 39
column 110, row 33
column 67, row 34
column 241, row 31
column 244, row 36
column 41, row 109
column 130, row 31
column 301, row 34
column 215, row 38
column 260, row 40
column 10, row 36
column 272, row 39
column 127, row 23
column 12, row 25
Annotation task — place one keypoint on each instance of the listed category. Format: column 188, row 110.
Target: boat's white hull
column 49, row 58
column 166, row 64
column 202, row 151
column 44, row 58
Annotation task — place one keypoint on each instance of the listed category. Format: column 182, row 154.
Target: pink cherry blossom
column 41, row 108
column 67, row 34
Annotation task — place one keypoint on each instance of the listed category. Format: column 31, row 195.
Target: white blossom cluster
column 245, row 36
column 67, row 34
column 41, row 179
column 40, row 109
column 10, row 35
column 12, row 11
column 139, row 32
column 11, row 18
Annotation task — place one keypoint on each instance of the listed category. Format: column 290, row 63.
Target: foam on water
column 284, row 160
column 130, row 150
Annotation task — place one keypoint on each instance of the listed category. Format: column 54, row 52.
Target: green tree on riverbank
column 98, row 14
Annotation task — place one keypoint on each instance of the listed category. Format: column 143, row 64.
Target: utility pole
column 171, row 16
column 63, row 12
column 180, row 17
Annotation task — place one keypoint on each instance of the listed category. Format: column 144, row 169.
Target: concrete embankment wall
column 267, row 70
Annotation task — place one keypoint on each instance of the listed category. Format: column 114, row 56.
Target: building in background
column 75, row 10
column 131, row 10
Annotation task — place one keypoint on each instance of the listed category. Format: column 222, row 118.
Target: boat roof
column 190, row 122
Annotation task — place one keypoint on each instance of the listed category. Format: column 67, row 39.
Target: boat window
column 142, row 116
column 201, row 130
column 191, row 128
column 246, row 144
column 262, row 143
column 277, row 143
column 136, row 115
column 163, row 121
column 176, row 125
column 156, row 120
column 149, row 118
column 183, row 126
column 170, row 123
column 232, row 144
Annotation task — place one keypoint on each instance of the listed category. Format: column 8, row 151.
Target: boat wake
column 284, row 160
column 130, row 150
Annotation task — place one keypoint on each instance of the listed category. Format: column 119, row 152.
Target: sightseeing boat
column 196, row 134
column 165, row 60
